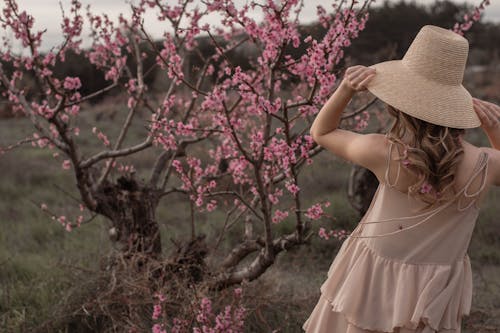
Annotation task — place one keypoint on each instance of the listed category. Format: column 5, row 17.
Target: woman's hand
column 488, row 113
column 357, row 77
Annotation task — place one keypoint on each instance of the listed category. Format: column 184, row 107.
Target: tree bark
column 131, row 208
column 361, row 188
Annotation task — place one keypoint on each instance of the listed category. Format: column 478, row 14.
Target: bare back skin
column 464, row 173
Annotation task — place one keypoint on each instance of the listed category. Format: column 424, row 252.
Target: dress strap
column 433, row 212
column 481, row 165
column 388, row 166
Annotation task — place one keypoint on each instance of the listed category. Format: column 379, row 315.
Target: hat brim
column 412, row 93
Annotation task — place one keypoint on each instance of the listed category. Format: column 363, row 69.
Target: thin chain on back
column 481, row 164
column 483, row 157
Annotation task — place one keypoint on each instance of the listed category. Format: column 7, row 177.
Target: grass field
column 37, row 257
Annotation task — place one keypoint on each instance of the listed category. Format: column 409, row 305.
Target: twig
column 210, row 194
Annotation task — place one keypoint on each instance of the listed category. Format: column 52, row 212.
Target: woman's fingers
column 366, row 80
column 352, row 69
column 485, row 121
column 483, row 115
column 352, row 76
column 493, row 108
column 487, row 112
column 358, row 76
column 490, row 114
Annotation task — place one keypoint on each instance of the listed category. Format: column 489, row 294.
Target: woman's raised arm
column 489, row 115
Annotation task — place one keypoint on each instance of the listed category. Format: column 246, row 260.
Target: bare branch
column 261, row 262
column 116, row 153
column 158, row 166
column 19, row 143
column 69, row 195
column 238, row 253
column 225, row 227
column 210, row 194
column 172, row 190
column 92, row 95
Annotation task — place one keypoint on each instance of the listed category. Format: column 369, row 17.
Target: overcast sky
column 47, row 15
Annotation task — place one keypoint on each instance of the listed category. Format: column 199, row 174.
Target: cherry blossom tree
column 257, row 116
column 251, row 120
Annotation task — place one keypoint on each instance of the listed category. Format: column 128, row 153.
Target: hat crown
column 438, row 54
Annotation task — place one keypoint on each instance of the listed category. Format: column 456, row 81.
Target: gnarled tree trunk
column 131, row 208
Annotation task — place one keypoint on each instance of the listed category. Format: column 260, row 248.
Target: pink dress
column 399, row 273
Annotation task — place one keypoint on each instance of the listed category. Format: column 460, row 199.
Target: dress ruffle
column 382, row 294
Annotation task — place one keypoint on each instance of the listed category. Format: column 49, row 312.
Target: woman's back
column 410, row 266
column 401, row 227
column 463, row 172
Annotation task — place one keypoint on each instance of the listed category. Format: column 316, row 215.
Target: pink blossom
column 158, row 328
column 62, row 219
column 469, row 18
column 338, row 234
column 279, row 216
column 274, row 197
column 205, row 310
column 211, row 205
column 66, row 164
column 314, row 212
column 293, row 188
column 72, row 83
column 426, row 187
column 160, row 297
column 102, row 137
column 323, row 234
column 79, row 220
column 156, row 311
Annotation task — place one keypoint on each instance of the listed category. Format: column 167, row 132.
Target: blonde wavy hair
column 432, row 154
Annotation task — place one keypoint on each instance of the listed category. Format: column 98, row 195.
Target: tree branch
column 116, row 153
column 210, row 194
column 261, row 262
column 131, row 113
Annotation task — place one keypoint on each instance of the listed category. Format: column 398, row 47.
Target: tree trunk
column 131, row 208
column 361, row 188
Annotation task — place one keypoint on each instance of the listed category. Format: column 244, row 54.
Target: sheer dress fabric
column 399, row 273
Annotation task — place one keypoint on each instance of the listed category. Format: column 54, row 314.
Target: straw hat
column 427, row 82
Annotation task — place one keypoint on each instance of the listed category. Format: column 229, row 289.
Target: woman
column 405, row 266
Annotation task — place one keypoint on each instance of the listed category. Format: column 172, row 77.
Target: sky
column 47, row 14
